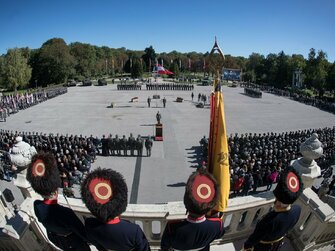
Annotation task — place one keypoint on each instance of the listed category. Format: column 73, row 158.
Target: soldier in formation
column 127, row 87
column 170, row 86
column 148, row 145
column 121, row 146
column 139, row 145
column 131, row 144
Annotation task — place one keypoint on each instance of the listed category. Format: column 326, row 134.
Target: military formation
column 170, row 86
column 256, row 93
column 123, row 146
column 128, row 87
column 324, row 103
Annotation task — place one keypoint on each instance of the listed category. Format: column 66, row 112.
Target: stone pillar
column 24, row 186
column 309, row 170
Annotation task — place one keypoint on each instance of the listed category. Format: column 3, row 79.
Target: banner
column 231, row 74
column 218, row 156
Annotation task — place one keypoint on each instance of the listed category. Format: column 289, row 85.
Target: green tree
column 2, row 71
column 256, row 65
column 136, row 69
column 16, row 71
column 85, row 59
column 149, row 57
column 330, row 84
column 271, row 68
column 55, row 63
column 175, row 68
column 282, row 77
column 316, row 70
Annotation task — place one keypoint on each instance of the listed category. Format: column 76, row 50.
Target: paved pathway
column 161, row 177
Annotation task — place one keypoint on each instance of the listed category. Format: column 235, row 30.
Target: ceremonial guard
column 104, row 192
column 272, row 228
column 197, row 231
column 63, row 227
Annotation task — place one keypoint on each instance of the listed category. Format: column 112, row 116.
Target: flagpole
column 218, row 156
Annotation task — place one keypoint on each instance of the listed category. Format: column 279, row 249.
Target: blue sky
column 241, row 27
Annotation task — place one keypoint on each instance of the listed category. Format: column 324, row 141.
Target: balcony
column 315, row 229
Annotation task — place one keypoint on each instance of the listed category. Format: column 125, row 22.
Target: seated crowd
column 256, row 160
column 74, row 154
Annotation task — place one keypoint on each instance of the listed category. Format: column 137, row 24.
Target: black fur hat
column 43, row 174
column 289, row 186
column 201, row 193
column 104, row 192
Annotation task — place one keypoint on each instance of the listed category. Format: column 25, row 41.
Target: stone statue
column 21, row 153
column 158, row 117
column 311, row 149
column 20, row 156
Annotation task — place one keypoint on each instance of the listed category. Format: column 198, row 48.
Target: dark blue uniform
column 195, row 234
column 117, row 234
column 64, row 228
column 271, row 228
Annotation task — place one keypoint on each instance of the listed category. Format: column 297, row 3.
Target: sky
column 241, row 26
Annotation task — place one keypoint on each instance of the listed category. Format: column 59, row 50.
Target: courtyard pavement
column 161, row 177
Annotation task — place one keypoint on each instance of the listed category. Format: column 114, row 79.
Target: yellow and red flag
column 218, row 156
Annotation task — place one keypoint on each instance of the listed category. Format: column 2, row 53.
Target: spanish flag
column 218, row 161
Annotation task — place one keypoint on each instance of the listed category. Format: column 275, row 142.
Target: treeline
column 56, row 62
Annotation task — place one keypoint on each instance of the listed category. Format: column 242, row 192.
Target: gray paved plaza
column 161, row 177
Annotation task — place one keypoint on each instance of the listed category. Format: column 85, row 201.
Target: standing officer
column 104, row 192
column 63, row 227
column 104, row 146
column 164, row 102
column 116, row 141
column 110, row 145
column 196, row 232
column 272, row 228
column 131, row 144
column 139, row 145
column 149, row 100
column 148, row 145
column 124, row 145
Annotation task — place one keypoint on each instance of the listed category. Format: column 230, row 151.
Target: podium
column 159, row 132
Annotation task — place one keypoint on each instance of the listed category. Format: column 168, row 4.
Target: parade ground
column 161, row 177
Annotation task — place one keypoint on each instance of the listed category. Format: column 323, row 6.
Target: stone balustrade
column 315, row 228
